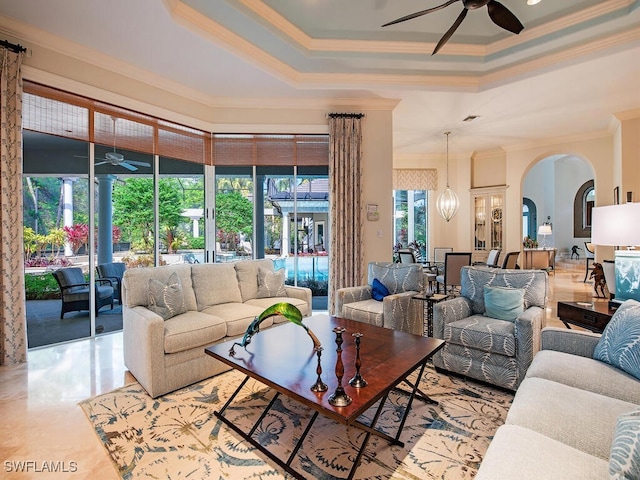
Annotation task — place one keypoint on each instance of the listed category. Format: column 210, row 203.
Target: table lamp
column 618, row 225
column 544, row 230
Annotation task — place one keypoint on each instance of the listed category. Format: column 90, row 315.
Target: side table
column 429, row 301
column 592, row 316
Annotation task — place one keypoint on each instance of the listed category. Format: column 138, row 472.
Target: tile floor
column 40, row 420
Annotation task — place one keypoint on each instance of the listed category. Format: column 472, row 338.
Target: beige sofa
column 220, row 299
column 563, row 419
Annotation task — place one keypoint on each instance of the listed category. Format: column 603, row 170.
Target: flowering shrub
column 41, row 262
column 77, row 236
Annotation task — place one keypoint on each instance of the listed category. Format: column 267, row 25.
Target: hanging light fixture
column 448, row 203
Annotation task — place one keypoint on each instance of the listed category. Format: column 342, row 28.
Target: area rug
column 178, row 435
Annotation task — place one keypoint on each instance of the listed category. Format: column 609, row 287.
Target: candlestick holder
column 319, row 386
column 358, row 381
column 339, row 398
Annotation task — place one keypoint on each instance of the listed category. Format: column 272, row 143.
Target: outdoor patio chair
column 74, row 290
column 114, row 272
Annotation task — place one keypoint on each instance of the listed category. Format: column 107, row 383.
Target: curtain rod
column 346, row 115
column 14, row 47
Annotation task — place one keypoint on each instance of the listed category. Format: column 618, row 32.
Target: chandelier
column 448, row 203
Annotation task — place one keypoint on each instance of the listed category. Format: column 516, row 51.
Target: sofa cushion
column 624, row 462
column 585, row 373
column 270, row 283
column 247, row 276
column 578, row 418
column 366, row 311
column 378, row 290
column 264, row 303
column 166, row 298
column 503, row 303
column 397, row 277
column 516, row 452
column 136, row 284
column 238, row 316
column 215, row 283
column 484, row 333
column 620, row 341
column 192, row 330
column 473, row 280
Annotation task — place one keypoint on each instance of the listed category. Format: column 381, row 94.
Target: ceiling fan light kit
column 499, row 14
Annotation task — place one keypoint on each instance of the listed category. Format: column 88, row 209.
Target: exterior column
column 105, row 218
column 284, row 245
column 67, row 209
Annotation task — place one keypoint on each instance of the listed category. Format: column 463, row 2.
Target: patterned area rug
column 178, row 436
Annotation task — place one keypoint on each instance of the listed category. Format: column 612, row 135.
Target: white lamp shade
column 544, row 230
column 447, row 204
column 616, row 225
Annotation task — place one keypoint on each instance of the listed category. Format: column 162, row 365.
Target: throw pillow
column 619, row 344
column 624, row 460
column 166, row 299
column 378, row 290
column 270, row 284
column 503, row 303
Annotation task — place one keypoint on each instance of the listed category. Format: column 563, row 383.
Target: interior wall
column 552, row 184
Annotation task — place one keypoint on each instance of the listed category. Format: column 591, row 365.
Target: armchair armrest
column 449, row 311
column 570, row 341
column 350, row 295
column 401, row 312
column 102, row 280
column 528, row 328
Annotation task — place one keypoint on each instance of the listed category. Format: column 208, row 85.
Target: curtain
column 345, row 152
column 13, row 329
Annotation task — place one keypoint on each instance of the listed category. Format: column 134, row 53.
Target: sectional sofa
column 574, row 416
column 171, row 313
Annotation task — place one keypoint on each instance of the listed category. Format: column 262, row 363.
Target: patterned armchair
column 397, row 311
column 495, row 351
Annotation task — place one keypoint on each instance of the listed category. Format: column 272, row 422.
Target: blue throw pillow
column 503, row 303
column 378, row 290
column 620, row 342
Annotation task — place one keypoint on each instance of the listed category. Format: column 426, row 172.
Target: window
column 583, row 204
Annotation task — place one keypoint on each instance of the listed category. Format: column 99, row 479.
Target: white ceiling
column 576, row 64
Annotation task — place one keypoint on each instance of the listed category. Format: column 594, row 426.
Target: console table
column 592, row 316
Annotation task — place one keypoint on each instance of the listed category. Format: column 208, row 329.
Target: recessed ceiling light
column 533, row 2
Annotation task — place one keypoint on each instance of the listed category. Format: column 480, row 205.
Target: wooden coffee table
column 283, row 358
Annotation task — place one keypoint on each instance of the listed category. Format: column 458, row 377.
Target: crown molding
column 628, row 115
column 280, row 23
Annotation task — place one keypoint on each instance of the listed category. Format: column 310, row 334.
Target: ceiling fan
column 117, row 159
column 499, row 14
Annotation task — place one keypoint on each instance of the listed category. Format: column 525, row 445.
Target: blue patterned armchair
column 495, row 351
column 397, row 311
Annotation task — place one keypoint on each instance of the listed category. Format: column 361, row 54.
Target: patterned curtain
column 13, row 329
column 345, row 152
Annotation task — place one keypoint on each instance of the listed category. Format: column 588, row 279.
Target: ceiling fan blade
column 503, row 17
column 128, row 166
column 420, row 13
column 445, row 38
column 141, row 164
column 101, row 163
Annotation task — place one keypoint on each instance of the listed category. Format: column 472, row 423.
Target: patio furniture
column 113, row 271
column 74, row 290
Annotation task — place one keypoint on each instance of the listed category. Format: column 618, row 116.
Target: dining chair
column 453, row 263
